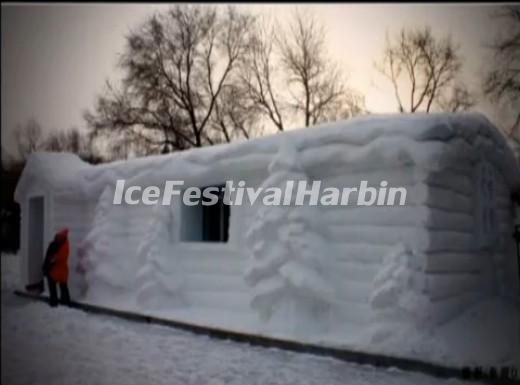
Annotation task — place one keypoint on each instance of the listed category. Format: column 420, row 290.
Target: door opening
column 35, row 240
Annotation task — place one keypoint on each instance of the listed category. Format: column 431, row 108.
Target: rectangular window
column 202, row 223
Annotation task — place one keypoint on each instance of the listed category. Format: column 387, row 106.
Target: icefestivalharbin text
column 296, row 193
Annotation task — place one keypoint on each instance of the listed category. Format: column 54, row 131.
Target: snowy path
column 41, row 345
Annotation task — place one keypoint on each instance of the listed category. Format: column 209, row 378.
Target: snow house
column 428, row 279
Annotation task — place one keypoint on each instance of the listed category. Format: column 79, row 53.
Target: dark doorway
column 35, row 240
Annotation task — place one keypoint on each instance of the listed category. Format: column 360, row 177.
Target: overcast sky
column 56, row 58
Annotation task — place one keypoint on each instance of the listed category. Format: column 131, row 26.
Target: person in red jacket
column 56, row 268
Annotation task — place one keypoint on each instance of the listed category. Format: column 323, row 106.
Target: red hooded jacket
column 59, row 263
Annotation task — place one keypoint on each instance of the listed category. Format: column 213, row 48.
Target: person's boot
column 64, row 294
column 53, row 295
column 64, row 302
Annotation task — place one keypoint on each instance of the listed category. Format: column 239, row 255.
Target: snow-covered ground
column 41, row 345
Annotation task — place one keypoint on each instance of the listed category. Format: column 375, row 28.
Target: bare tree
column 73, row 141
column 316, row 84
column 236, row 116
column 459, row 98
column 176, row 67
column 502, row 84
column 288, row 74
column 64, row 141
column 29, row 138
column 424, row 72
column 261, row 75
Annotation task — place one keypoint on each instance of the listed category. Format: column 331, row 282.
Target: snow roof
column 371, row 137
column 48, row 170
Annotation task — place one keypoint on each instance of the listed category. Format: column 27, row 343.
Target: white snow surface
column 63, row 346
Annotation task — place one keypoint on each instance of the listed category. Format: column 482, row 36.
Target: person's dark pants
column 53, row 293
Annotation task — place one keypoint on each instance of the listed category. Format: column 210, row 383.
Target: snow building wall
column 481, row 258
column 138, row 254
column 437, row 224
column 436, row 227
column 125, row 238
column 114, row 239
column 159, row 282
